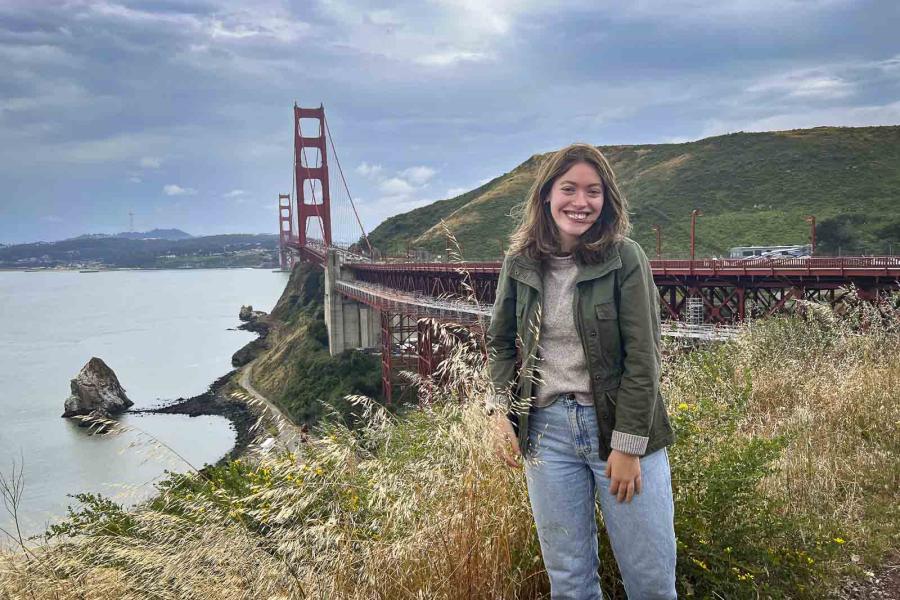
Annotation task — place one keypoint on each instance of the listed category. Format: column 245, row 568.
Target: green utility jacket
column 617, row 318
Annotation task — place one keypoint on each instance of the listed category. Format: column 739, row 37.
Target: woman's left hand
column 624, row 471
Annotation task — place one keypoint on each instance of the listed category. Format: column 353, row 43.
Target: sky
column 181, row 112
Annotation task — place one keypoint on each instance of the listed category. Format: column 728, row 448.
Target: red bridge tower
column 317, row 208
column 285, row 231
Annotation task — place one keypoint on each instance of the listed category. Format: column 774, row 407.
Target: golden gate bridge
column 372, row 302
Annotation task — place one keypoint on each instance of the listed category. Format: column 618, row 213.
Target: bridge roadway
column 876, row 269
column 461, row 311
column 844, row 268
column 729, row 290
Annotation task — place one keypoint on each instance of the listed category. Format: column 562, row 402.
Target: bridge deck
column 460, row 311
column 841, row 267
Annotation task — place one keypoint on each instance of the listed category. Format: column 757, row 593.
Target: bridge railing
column 385, row 298
column 886, row 265
column 880, row 265
column 830, row 262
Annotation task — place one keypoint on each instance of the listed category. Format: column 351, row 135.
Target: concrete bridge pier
column 350, row 324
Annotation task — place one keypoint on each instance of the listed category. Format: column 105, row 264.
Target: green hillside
column 753, row 189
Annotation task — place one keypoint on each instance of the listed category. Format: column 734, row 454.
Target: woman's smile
column 576, row 200
column 576, row 216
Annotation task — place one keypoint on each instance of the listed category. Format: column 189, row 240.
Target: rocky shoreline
column 215, row 401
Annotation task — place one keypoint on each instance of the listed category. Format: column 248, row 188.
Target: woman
column 583, row 406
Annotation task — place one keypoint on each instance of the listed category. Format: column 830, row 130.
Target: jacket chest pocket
column 606, row 331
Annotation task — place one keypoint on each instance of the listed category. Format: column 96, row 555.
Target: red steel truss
column 731, row 290
column 408, row 327
column 412, row 344
column 399, row 352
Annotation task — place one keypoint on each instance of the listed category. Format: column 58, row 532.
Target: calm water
column 165, row 334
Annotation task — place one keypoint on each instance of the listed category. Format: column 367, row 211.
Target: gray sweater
column 561, row 364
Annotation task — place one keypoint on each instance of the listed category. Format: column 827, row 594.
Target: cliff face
column 296, row 371
column 96, row 390
column 258, row 322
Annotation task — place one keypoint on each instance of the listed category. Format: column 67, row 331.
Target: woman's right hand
column 505, row 443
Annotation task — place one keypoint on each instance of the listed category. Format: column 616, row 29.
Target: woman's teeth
column 577, row 216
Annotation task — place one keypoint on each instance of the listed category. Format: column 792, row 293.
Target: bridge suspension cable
column 344, row 181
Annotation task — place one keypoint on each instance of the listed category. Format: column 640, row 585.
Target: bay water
column 166, row 334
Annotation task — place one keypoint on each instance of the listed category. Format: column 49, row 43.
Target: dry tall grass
column 834, row 393
column 786, row 474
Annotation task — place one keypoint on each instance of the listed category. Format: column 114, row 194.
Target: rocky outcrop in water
column 258, row 322
column 246, row 312
column 96, row 391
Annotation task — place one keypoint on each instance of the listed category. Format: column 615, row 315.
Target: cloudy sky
column 180, row 112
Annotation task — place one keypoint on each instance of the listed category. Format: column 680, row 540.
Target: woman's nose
column 580, row 199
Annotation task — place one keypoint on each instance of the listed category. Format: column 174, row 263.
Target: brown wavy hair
column 537, row 236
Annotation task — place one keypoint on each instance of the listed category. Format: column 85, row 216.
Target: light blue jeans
column 565, row 476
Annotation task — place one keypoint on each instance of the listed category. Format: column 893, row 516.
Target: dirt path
column 289, row 436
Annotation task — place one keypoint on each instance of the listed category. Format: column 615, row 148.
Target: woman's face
column 576, row 199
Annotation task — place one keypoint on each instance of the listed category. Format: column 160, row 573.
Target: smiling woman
column 576, row 301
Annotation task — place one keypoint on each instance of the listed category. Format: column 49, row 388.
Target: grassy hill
column 753, row 188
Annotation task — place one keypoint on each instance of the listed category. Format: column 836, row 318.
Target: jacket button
column 593, row 334
column 598, row 377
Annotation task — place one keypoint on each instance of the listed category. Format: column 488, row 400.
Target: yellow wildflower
column 700, row 564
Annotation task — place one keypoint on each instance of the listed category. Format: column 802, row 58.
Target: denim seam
column 585, row 436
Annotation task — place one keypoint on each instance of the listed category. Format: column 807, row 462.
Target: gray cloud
column 420, row 96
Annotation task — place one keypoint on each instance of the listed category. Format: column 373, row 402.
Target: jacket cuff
column 629, row 443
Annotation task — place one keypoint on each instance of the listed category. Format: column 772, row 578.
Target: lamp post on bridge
column 658, row 231
column 694, row 214
column 811, row 219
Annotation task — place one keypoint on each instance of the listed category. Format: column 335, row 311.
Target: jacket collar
column 613, row 261
column 528, row 270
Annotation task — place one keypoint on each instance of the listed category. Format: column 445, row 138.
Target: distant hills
column 160, row 248
column 154, row 234
column 753, row 189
